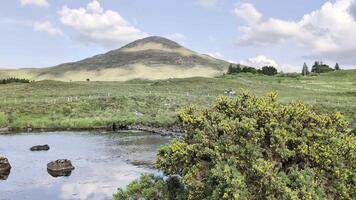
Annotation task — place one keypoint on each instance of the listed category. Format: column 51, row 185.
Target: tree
column 305, row 70
column 337, row 67
column 230, row 70
column 269, row 70
column 257, row 148
column 320, row 67
column 249, row 70
column 234, row 70
column 315, row 66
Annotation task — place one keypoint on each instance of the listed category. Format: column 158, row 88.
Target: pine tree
column 315, row 67
column 230, row 70
column 305, row 70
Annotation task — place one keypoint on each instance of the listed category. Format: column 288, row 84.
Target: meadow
column 84, row 105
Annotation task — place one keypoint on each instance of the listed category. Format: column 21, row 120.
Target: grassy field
column 52, row 104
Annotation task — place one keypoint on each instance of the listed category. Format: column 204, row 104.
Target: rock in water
column 5, row 168
column 40, row 148
column 62, row 167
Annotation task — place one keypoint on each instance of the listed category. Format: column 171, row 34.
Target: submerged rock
column 5, row 168
column 142, row 163
column 40, row 148
column 62, row 167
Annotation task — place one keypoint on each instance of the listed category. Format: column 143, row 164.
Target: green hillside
column 53, row 104
column 149, row 58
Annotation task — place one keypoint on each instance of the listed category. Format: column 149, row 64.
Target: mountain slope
column 148, row 58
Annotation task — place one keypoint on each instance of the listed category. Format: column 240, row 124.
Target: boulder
column 62, row 167
column 40, row 148
column 5, row 168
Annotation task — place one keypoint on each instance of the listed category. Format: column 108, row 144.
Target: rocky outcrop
column 40, row 148
column 62, row 167
column 5, row 168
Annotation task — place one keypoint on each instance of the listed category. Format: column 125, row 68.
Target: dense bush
column 250, row 70
column 14, row 80
column 151, row 187
column 257, row 148
column 241, row 69
column 269, row 71
column 234, row 69
column 320, row 67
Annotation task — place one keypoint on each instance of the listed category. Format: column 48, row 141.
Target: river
column 103, row 162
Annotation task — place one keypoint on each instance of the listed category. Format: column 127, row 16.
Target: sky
column 285, row 34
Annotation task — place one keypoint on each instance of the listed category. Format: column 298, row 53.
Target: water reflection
column 4, row 175
column 102, row 164
column 56, row 174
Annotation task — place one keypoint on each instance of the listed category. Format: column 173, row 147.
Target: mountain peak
column 154, row 40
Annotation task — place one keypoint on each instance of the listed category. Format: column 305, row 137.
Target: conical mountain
column 148, row 58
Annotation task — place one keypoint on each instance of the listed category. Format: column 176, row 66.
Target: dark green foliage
column 269, row 70
column 242, row 69
column 151, row 187
column 234, row 70
column 305, row 70
column 258, row 148
column 14, row 80
column 250, row 70
column 320, row 67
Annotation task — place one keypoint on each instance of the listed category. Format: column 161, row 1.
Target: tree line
column 14, row 80
column 319, row 67
column 266, row 70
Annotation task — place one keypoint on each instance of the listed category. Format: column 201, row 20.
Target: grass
column 61, row 105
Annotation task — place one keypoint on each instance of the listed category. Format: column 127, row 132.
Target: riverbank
column 173, row 131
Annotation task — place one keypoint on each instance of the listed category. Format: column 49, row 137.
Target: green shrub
column 151, row 187
column 3, row 120
column 14, row 80
column 257, row 148
column 269, row 71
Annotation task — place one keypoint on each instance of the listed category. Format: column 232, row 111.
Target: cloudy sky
column 42, row 33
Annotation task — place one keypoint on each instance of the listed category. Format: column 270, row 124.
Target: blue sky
column 42, row 33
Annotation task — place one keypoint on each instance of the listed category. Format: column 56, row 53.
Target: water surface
column 103, row 162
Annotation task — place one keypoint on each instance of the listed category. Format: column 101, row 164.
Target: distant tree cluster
column 267, row 70
column 319, row 67
column 14, row 80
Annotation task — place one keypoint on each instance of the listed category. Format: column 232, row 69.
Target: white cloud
column 98, row 26
column 248, row 12
column 327, row 32
column 47, row 27
column 289, row 68
column 177, row 37
column 259, row 62
column 39, row 3
column 208, row 3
